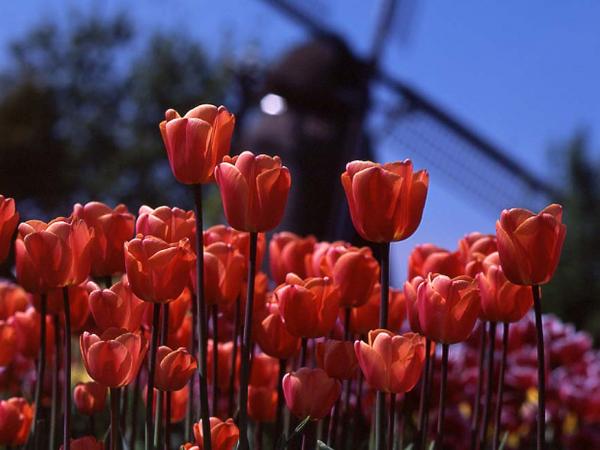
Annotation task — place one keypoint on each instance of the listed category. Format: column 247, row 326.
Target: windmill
column 411, row 121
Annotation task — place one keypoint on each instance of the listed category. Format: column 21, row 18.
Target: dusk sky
column 524, row 75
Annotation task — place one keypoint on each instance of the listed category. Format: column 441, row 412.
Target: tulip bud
column 85, row 443
column 223, row 435
column 337, row 358
column 16, row 416
column 169, row 224
column 310, row 392
column 89, row 398
column 288, row 253
column 174, row 368
column 9, row 217
column 13, row 298
column 428, row 258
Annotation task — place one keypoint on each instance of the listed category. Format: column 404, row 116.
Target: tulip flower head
column 85, row 443
column 223, row 434
column 428, row 258
column 391, row 363
column 385, row 201
column 8, row 343
column 169, row 224
column 9, row 217
column 473, row 249
column 114, row 358
column 310, row 392
column 174, row 368
column 197, row 142
column 530, row 244
column 288, row 253
column 366, row 317
column 89, row 398
column 254, row 191
column 337, row 358
column 273, row 337
column 13, row 298
column 16, row 416
column 308, row 307
column 448, row 307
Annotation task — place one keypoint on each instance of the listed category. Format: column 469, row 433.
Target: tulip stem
column 215, row 367
column 392, row 422
column 477, row 403
column 309, row 438
column 168, row 395
column 345, row 413
column 384, row 263
column 67, row 386
column 500, row 386
column 424, row 400
column 151, row 370
column 124, row 407
column 202, row 323
column 41, row 367
column 246, row 346
column 487, row 405
column 134, row 409
column 380, row 421
column 439, row 440
column 280, row 400
column 114, row 418
column 160, row 395
column 234, row 351
column 358, row 409
column 333, row 421
column 541, row 419
column 303, row 352
column 347, row 318
column 54, row 411
column 189, row 415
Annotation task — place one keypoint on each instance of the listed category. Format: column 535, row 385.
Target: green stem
column 487, row 405
column 500, row 386
column 479, row 393
column 439, row 441
column 541, row 422
column 114, row 418
column 67, row 385
column 151, row 371
column 384, row 263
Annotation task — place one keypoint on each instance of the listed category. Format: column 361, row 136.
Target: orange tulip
column 308, row 307
column 114, row 358
column 174, row 368
column 337, row 358
column 264, row 370
column 428, row 258
column 157, row 271
column 27, row 326
column 89, row 398
column 8, row 343
column 412, row 310
column 85, row 443
column 389, row 362
column 112, row 227
column 530, row 244
column 227, row 269
column 169, row 224
column 473, row 249
column 239, row 239
column 9, row 217
column 262, row 403
column 366, row 317
column 385, row 201
column 13, row 298
column 501, row 300
column 78, row 300
column 448, row 308
column 16, row 416
column 310, row 392
column 288, row 253
column 197, row 142
column 272, row 336
column 254, row 191
column 52, row 255
column 223, row 435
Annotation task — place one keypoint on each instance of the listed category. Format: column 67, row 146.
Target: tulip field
column 154, row 332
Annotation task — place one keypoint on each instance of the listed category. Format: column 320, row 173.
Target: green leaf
column 432, row 445
column 322, row 446
column 410, row 447
column 503, row 441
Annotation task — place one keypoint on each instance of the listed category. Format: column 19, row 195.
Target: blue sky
column 523, row 74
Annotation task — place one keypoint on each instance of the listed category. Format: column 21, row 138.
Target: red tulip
column 197, row 142
column 8, row 343
column 224, row 352
column 114, row 358
column 16, row 416
column 473, row 249
column 448, row 308
column 501, row 300
column 169, row 224
column 288, row 253
column 428, row 258
column 89, row 398
column 52, row 255
column 309, row 307
column 174, row 368
column 337, row 358
column 9, row 217
column 412, row 310
column 109, row 309
column 239, row 239
column 274, row 339
column 385, row 201
column 366, row 317
column 262, row 403
column 13, row 298
column 85, row 443
column 310, row 392
column 78, row 300
column 157, row 271
column 264, row 370
column 354, row 271
column 223, row 435
column 254, row 191
column 389, row 362
column 179, row 400
column 530, row 244
column 226, row 269
column 27, row 326
column 112, row 227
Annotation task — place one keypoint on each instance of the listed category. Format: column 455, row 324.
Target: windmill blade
column 469, row 161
